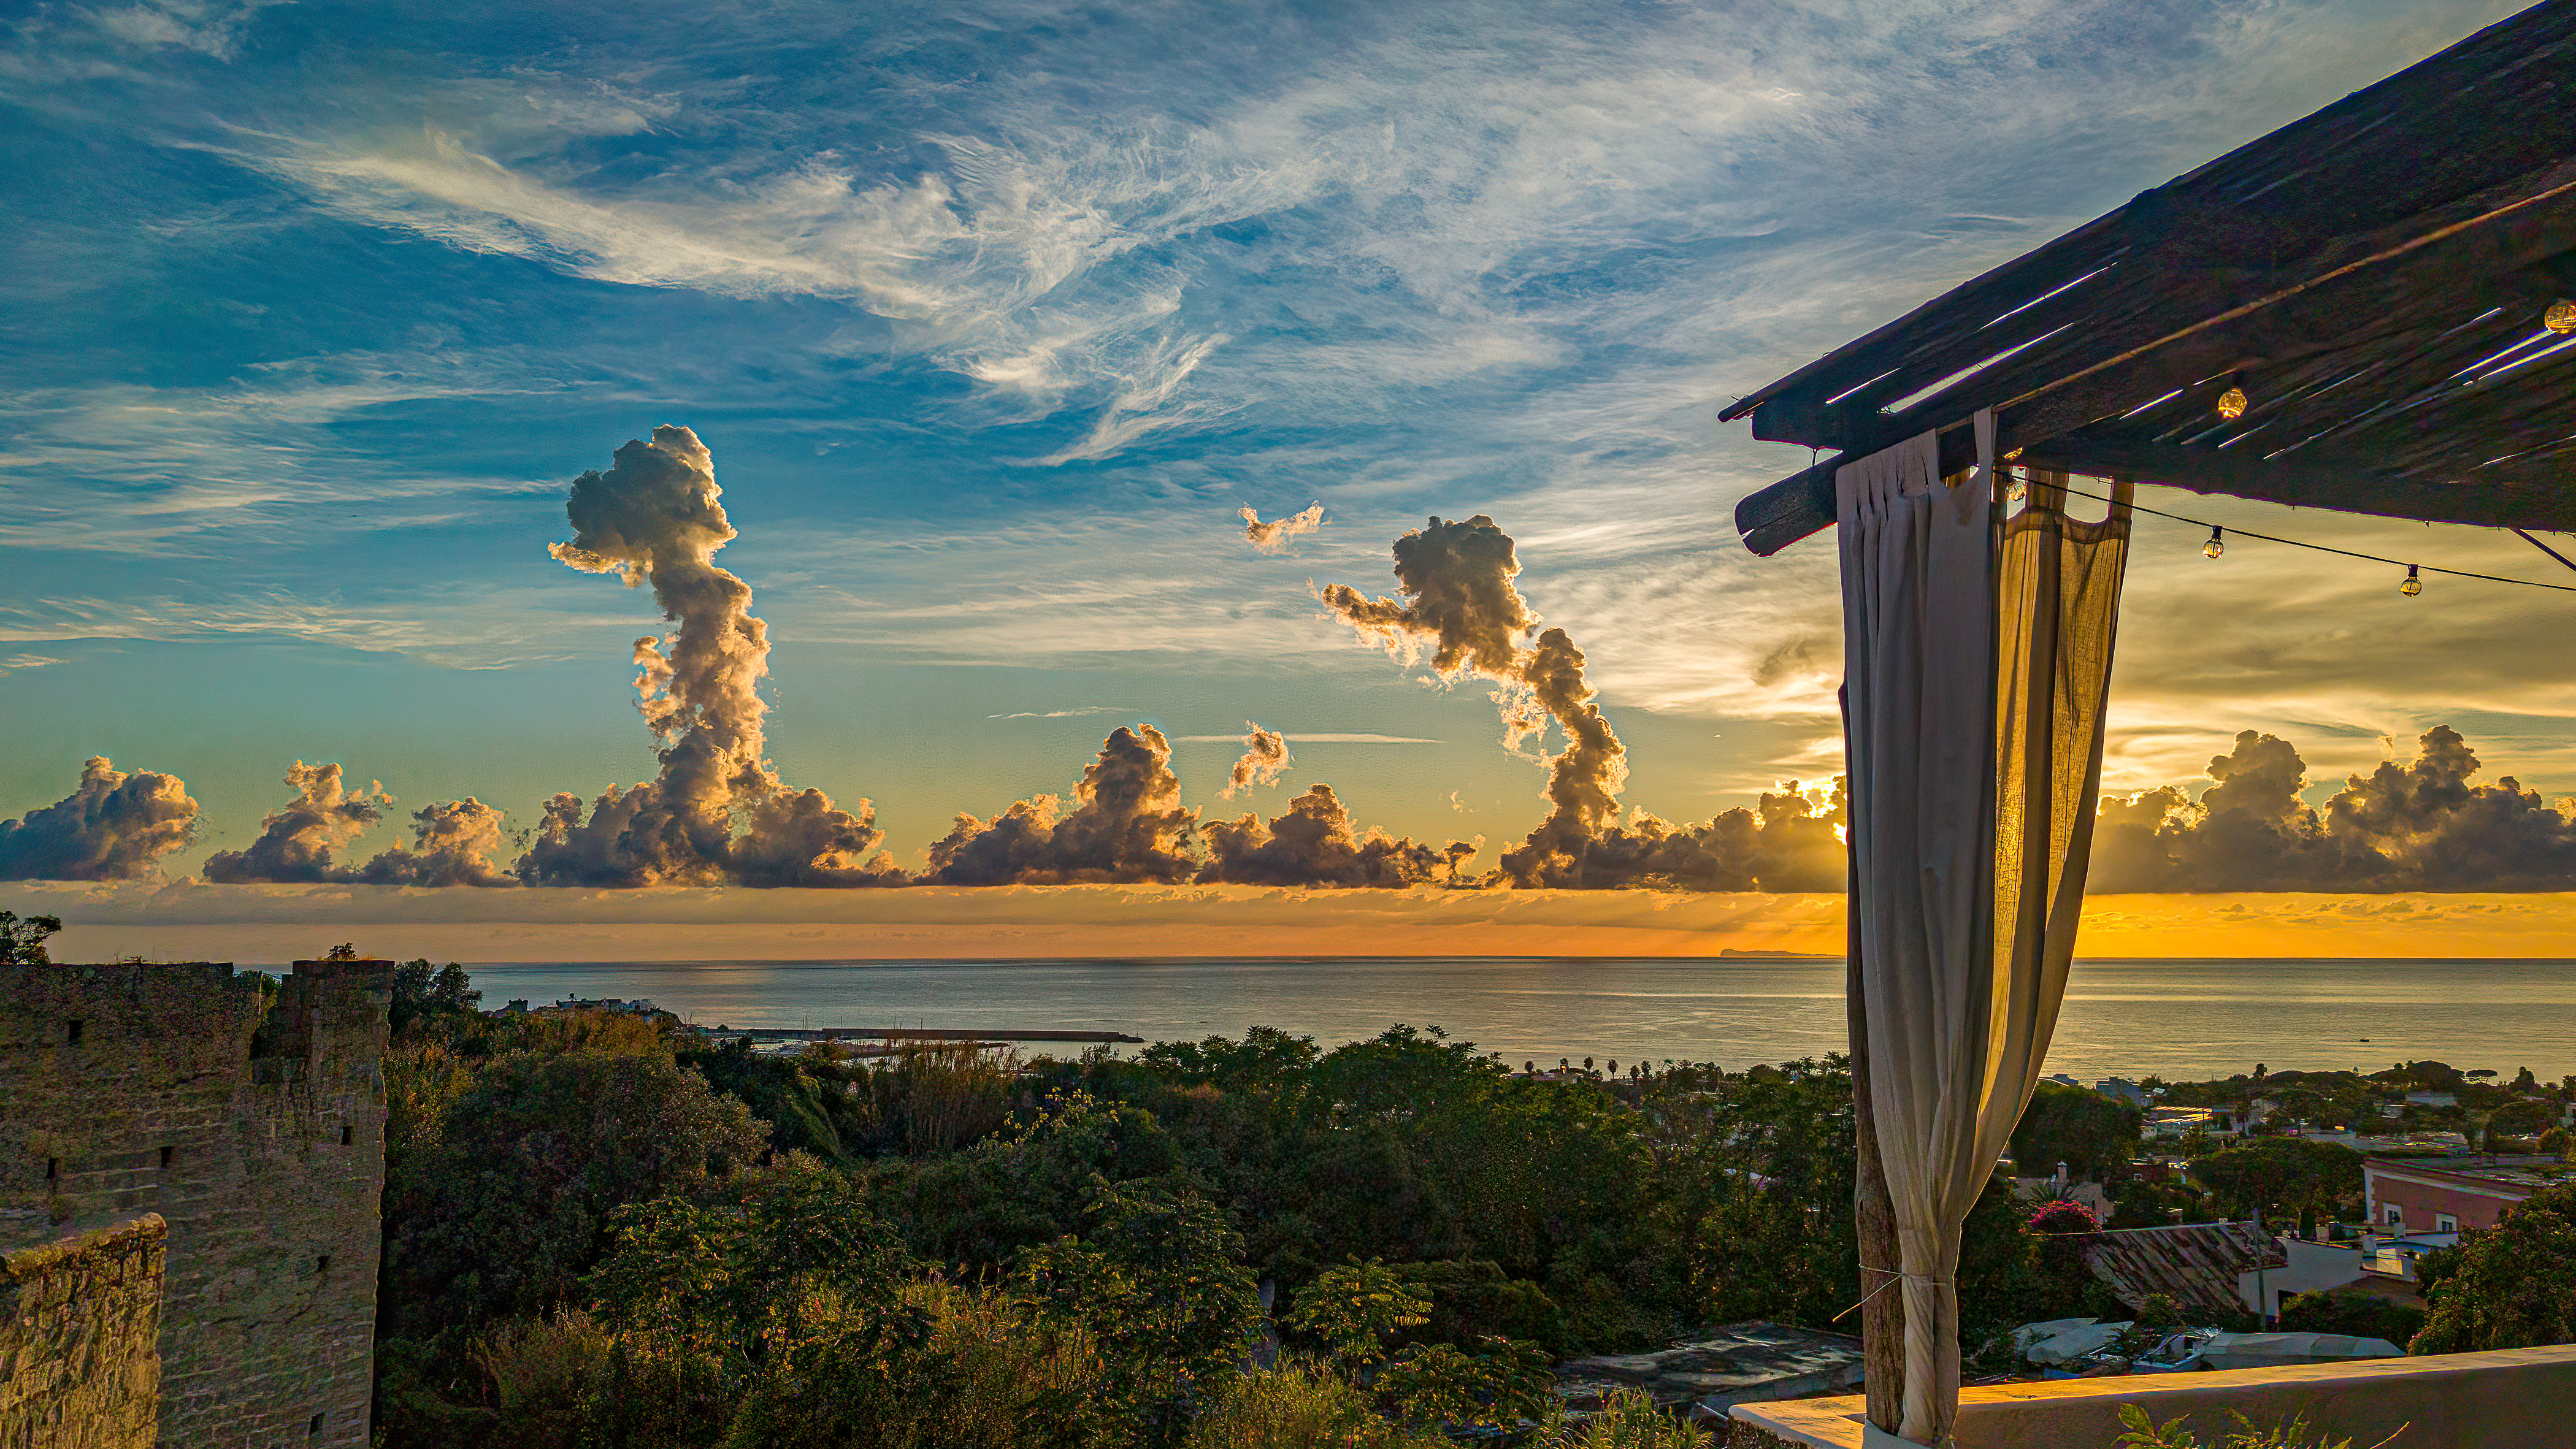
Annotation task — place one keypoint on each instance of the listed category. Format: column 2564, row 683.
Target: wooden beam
column 2313, row 483
column 2414, row 146
column 1802, row 504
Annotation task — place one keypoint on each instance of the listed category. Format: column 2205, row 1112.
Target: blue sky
column 994, row 315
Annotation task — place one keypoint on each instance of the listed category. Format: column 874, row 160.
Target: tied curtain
column 1977, row 665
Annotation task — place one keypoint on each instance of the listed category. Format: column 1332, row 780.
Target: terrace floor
column 2505, row 1400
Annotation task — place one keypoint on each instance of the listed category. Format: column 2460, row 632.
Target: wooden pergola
column 2373, row 279
column 2389, row 283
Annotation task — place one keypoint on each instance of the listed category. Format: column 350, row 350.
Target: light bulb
column 2217, row 544
column 2414, row 584
column 2561, row 316
column 2231, row 404
column 2014, row 487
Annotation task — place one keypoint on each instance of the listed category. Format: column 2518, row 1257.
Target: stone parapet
column 80, row 1324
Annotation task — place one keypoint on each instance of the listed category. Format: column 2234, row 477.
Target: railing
column 2505, row 1400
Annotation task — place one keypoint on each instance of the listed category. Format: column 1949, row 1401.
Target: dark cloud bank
column 718, row 813
column 2423, row 826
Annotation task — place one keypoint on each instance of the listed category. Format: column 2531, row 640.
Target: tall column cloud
column 114, row 826
column 1460, row 608
column 656, row 517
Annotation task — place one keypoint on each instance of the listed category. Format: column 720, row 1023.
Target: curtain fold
column 1977, row 660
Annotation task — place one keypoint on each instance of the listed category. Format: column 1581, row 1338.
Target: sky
column 990, row 321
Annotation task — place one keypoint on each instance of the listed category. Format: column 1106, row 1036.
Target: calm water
column 2179, row 1019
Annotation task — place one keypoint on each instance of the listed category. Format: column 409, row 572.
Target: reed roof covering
column 2374, row 279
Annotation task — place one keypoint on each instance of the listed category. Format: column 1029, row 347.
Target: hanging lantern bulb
column 2561, row 316
column 2217, row 541
column 2414, row 584
column 2015, row 485
column 2231, row 404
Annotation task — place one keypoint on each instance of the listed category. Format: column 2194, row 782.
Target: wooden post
column 1882, row 1314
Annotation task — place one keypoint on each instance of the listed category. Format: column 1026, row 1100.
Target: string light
column 2231, row 404
column 2414, row 569
column 2561, row 316
column 2414, row 583
column 2217, row 543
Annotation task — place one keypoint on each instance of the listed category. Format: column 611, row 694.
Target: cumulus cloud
column 453, row 845
column 1461, row 609
column 1313, row 844
column 1272, row 537
column 113, row 827
column 1265, row 759
column 1127, row 825
column 2412, row 827
column 656, row 517
column 298, row 841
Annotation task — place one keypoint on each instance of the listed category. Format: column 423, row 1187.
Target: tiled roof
column 2195, row 1264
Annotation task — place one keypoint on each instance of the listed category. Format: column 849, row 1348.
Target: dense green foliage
column 604, row 1230
column 2363, row 1315
column 2280, row 1175
column 2513, row 1286
column 2094, row 1135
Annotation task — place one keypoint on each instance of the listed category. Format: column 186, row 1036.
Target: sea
column 2183, row 1020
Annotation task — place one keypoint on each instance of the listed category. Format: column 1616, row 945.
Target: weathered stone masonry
column 248, row 1112
column 80, row 1332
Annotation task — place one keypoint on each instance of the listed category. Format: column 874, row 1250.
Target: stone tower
column 248, row 1113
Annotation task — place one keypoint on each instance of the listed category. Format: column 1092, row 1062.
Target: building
column 2216, row 1267
column 226, row 1129
column 2124, row 1090
column 2414, row 1196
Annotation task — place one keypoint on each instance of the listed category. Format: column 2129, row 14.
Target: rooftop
column 1740, row 1363
column 2195, row 1264
column 2534, row 1173
column 2373, row 280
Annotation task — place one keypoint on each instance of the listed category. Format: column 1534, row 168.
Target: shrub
column 2062, row 1216
column 953, row 1370
column 1630, row 1420
column 2363, row 1315
column 1297, row 1407
column 2290, row 1433
column 2513, row 1286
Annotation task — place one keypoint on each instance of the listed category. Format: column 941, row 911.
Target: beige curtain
column 1977, row 658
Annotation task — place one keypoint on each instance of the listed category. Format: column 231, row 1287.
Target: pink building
column 2454, row 1196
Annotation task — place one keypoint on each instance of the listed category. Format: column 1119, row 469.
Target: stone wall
column 80, row 1321
column 249, row 1113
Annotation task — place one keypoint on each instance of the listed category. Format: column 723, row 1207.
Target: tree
column 509, row 1203
column 2513, row 1286
column 422, row 990
column 2280, row 1174
column 1158, row 1282
column 2094, row 1135
column 22, row 942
